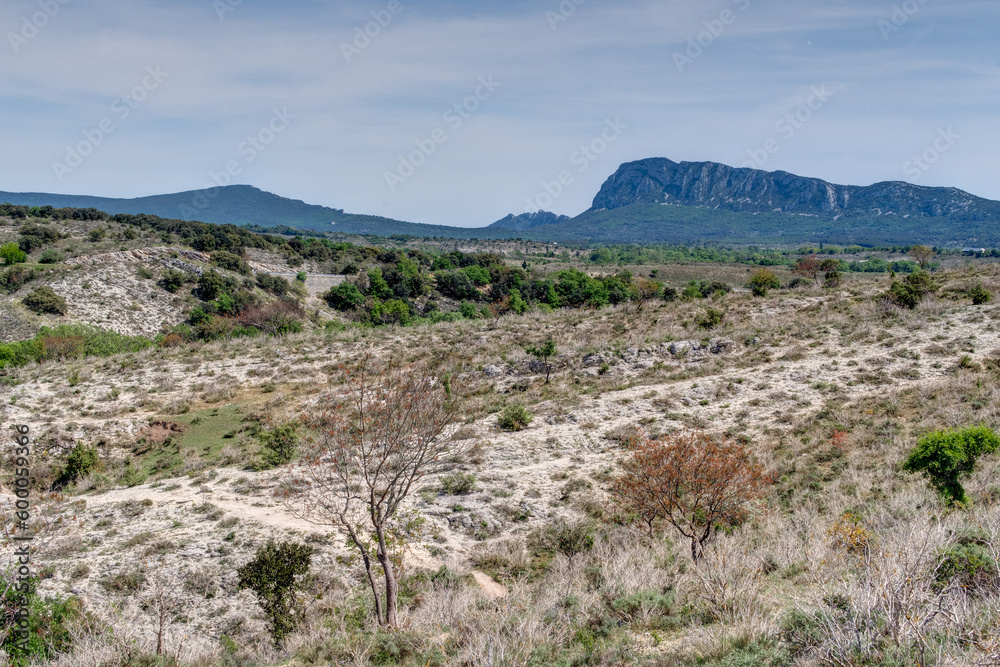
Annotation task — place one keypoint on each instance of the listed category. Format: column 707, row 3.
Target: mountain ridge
column 655, row 200
column 747, row 190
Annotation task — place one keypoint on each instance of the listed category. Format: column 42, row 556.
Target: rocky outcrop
column 745, row 190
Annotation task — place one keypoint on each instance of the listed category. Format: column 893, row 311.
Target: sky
column 459, row 113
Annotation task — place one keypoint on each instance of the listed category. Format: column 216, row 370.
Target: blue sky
column 462, row 112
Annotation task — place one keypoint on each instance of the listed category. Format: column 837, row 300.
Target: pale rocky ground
column 200, row 528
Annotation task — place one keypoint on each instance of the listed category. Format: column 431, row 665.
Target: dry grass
column 786, row 587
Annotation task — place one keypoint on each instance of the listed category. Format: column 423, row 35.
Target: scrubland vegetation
column 761, row 458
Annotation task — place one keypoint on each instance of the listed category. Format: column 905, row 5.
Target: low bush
column 230, row 262
column 12, row 254
column 51, row 256
column 514, row 418
column 174, row 280
column 81, row 461
column 47, row 634
column 345, row 296
column 969, row 564
column 911, row 290
column 278, row 446
column 979, row 295
column 711, row 319
column 44, row 301
column 762, row 280
column 458, row 483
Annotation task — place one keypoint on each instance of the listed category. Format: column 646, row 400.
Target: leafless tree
column 373, row 441
column 162, row 605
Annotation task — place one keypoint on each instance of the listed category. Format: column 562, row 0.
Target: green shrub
column 478, row 274
column 345, row 296
column 393, row 311
column 468, row 310
column 669, row 294
column 81, row 461
column 979, row 295
column 644, row 604
column 278, row 446
column 458, row 483
column 125, row 582
column 762, row 280
column 132, row 476
column 968, row 563
column 15, row 277
column 51, row 256
column 704, row 290
column 571, row 539
column 46, row 634
column 12, row 254
column 173, row 280
column 36, row 236
column 211, row 284
column 514, row 418
column 912, row 289
column 43, row 300
column 275, row 575
column 943, row 457
column 230, row 262
column 711, row 319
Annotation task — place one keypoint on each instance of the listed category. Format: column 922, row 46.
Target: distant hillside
column 246, row 205
column 649, row 201
column 530, row 220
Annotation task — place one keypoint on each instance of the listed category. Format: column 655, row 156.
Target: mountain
column 649, row 201
column 744, row 190
column 246, row 205
column 530, row 220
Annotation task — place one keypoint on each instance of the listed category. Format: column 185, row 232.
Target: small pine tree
column 544, row 352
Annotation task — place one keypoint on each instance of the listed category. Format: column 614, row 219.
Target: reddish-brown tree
column 646, row 290
column 808, row 267
column 500, row 307
column 373, row 441
column 691, row 480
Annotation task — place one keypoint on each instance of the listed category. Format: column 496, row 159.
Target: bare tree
column 162, row 606
column 372, row 443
